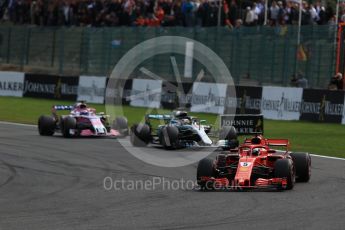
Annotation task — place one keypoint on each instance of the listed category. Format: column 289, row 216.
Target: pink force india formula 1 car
column 81, row 121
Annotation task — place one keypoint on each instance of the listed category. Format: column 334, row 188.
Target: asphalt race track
column 57, row 183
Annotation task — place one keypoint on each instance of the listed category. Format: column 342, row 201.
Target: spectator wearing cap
column 250, row 16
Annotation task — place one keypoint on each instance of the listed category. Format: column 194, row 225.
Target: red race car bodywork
column 254, row 164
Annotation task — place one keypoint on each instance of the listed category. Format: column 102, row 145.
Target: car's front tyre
column 283, row 168
column 168, row 137
column 140, row 135
column 205, row 169
column 66, row 124
column 302, row 163
column 121, row 124
column 46, row 125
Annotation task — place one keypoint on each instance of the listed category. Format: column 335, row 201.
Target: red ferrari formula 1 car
column 254, row 164
column 81, row 121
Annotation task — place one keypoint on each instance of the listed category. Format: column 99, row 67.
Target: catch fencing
column 260, row 55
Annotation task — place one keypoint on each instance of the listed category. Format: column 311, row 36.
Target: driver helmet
column 181, row 114
column 185, row 121
column 256, row 152
column 80, row 105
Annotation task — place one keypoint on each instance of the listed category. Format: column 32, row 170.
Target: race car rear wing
column 278, row 142
column 158, row 116
column 63, row 107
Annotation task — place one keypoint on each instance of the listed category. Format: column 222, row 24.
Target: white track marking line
column 28, row 125
column 18, row 124
column 328, row 157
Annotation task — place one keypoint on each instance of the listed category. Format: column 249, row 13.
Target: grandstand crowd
column 186, row 13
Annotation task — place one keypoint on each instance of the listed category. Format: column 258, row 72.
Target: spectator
column 159, row 12
column 314, row 16
column 299, row 81
column 294, row 14
column 177, row 13
column 233, row 12
column 274, row 13
column 66, row 13
column 211, row 18
column 336, row 82
column 238, row 23
column 322, row 16
column 306, row 17
column 342, row 15
column 260, row 11
column 250, row 16
column 188, row 13
column 285, row 14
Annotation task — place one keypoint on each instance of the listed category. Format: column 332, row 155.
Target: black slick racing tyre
column 46, row 125
column 283, row 168
column 121, row 124
column 229, row 134
column 302, row 162
column 168, row 137
column 140, row 135
column 66, row 124
column 205, row 169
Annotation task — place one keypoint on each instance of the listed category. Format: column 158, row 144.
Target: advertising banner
column 146, row 93
column 281, row 103
column 91, row 89
column 118, row 91
column 244, row 124
column 11, row 84
column 174, row 97
column 322, row 105
column 51, row 86
column 208, row 97
column 248, row 100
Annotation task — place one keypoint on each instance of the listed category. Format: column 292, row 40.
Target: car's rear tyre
column 46, row 125
column 121, row 125
column 205, row 169
column 283, row 168
column 302, row 163
column 140, row 135
column 168, row 137
column 229, row 134
column 66, row 124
